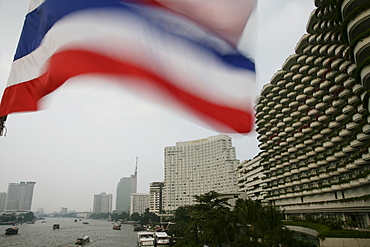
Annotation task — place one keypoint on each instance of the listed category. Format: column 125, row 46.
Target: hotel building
column 139, row 203
column 197, row 167
column 313, row 119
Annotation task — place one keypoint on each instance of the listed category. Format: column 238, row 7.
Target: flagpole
column 2, row 125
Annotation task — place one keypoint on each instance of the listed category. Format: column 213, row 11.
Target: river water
column 42, row 234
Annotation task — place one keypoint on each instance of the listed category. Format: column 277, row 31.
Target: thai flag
column 182, row 51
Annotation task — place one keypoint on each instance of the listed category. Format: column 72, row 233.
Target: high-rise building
column 197, row 167
column 155, row 201
column 139, row 202
column 102, row 203
column 125, row 187
column 2, row 201
column 19, row 196
column 313, row 118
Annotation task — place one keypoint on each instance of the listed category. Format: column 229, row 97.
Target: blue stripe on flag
column 39, row 21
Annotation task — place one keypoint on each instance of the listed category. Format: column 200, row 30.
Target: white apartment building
column 197, row 167
column 103, row 203
column 139, row 202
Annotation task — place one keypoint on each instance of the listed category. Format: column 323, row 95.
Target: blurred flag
column 183, row 51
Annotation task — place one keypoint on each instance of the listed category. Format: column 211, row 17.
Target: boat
column 139, row 228
column 86, row 223
column 83, row 240
column 44, row 221
column 161, row 238
column 116, row 227
column 145, row 238
column 75, row 220
column 11, row 231
column 56, row 226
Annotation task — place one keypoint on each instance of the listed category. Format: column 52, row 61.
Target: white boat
column 145, row 239
column 83, row 240
column 161, row 238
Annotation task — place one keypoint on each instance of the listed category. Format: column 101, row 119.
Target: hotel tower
column 313, row 120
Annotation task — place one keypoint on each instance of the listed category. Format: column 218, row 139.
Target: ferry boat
column 116, row 227
column 11, row 231
column 145, row 239
column 83, row 240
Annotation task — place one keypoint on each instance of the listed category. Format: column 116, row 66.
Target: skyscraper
column 19, row 196
column 313, row 119
column 102, row 203
column 125, row 187
column 197, row 167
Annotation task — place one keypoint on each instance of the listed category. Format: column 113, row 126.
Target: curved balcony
column 305, row 119
column 365, row 77
column 351, row 166
column 366, row 156
column 358, row 25
column 308, row 141
column 351, row 126
column 344, row 133
column 362, row 137
column 348, row 149
column 312, row 165
column 333, row 124
column 357, row 118
column 323, row 175
column 342, row 169
column 330, row 110
column 341, row 117
column 354, row 100
column 356, row 143
column 331, row 158
column 320, row 105
column 345, row 93
column 322, row 162
column 311, row 153
column 315, row 124
column 347, row 109
column 339, row 154
column 325, row 84
column 326, row 131
column 315, row 178
column 320, row 149
column 360, row 162
column 338, row 102
column 317, row 136
column 327, row 144
column 311, row 101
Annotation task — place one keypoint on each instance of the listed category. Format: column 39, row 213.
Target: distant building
column 2, row 201
column 102, row 203
column 155, row 201
column 39, row 212
column 139, row 202
column 63, row 210
column 125, row 187
column 19, row 196
column 197, row 167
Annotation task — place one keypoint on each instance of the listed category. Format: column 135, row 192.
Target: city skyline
column 84, row 137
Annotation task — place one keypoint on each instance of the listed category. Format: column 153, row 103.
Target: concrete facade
column 313, row 119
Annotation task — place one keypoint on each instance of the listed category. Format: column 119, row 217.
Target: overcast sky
column 90, row 134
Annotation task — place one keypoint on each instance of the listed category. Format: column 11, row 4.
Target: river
column 42, row 234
